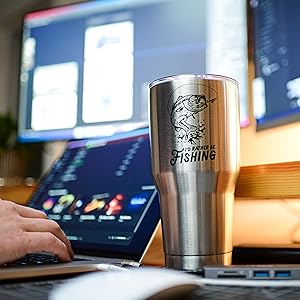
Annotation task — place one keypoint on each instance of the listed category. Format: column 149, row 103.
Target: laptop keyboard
column 34, row 259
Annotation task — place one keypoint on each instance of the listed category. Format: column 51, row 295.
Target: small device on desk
column 257, row 261
column 255, row 272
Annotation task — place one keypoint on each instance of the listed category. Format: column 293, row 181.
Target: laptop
column 102, row 194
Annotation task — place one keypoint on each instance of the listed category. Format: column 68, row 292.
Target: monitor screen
column 276, row 86
column 227, row 46
column 85, row 68
column 102, row 193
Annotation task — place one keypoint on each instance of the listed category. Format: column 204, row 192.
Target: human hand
column 26, row 230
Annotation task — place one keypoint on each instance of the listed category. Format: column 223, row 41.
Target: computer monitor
column 276, row 42
column 85, row 68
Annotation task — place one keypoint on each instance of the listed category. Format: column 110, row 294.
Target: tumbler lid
column 191, row 76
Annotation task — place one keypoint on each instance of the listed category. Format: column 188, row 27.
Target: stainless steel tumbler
column 195, row 141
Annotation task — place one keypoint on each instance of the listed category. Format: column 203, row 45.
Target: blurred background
column 256, row 42
column 224, row 46
column 32, row 159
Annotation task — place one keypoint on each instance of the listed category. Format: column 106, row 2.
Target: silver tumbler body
column 195, row 140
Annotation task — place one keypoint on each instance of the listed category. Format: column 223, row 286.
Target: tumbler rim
column 192, row 76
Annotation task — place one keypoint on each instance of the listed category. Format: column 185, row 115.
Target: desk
column 267, row 182
column 277, row 181
column 271, row 181
column 39, row 289
column 18, row 194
